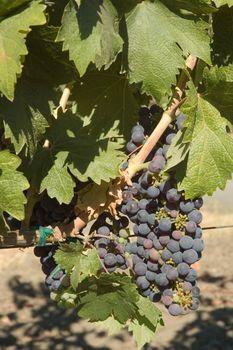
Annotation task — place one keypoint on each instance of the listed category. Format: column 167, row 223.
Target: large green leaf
column 110, row 324
column 107, row 101
column 109, row 295
column 26, row 118
column 146, row 323
column 157, row 41
column 195, row 6
column 87, row 157
column 90, row 33
column 210, row 158
column 13, row 31
column 12, row 185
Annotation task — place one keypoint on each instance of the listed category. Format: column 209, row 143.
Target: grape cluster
column 55, row 276
column 48, row 211
column 168, row 236
column 110, row 240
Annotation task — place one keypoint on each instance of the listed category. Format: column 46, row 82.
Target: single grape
column 140, row 269
column 136, row 259
column 142, row 252
column 152, row 266
column 198, row 245
column 131, row 248
column 177, row 257
column 137, row 137
column 120, row 259
column 173, row 246
column 155, row 296
column 142, row 282
column 151, row 236
column 166, row 254
column 151, row 219
column 143, row 229
column 154, row 255
column 150, row 276
column 127, row 196
column 137, row 128
column 161, row 280
column 123, row 222
column 173, row 213
column 198, row 232
column 164, row 239
column 146, row 292
column 165, row 186
column 172, row 195
column 166, row 300
column 130, row 147
column 153, row 192
column 165, row 268
column 142, row 216
column 195, row 291
column 157, row 164
column 186, row 242
column 112, row 268
column 198, row 203
column 140, row 240
column 103, row 230
column 177, row 235
column 143, row 203
column 148, row 244
column 196, row 216
column 186, row 206
column 168, row 292
column 146, row 180
column 135, row 188
column 191, row 276
column 172, row 274
column 110, row 260
column 195, row 304
column 159, row 152
column 190, row 227
column 183, row 269
column 190, row 256
column 132, row 207
column 165, row 225
column 187, row 286
column 180, row 120
column 102, row 252
column 55, row 285
column 174, row 309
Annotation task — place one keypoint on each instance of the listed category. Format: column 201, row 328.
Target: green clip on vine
column 114, row 172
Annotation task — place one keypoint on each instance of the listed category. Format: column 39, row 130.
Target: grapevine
column 115, row 122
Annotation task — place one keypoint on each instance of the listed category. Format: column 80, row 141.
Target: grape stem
column 167, row 117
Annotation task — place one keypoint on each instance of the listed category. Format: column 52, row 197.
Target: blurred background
column 29, row 320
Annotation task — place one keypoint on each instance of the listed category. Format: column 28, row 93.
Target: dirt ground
column 29, row 320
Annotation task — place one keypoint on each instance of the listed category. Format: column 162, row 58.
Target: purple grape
column 137, row 128
column 140, row 269
column 137, row 137
column 151, row 219
column 132, row 207
column 161, row 280
column 142, row 216
column 157, row 164
column 130, row 147
column 148, row 244
column 190, row 256
column 172, row 195
column 198, row 203
column 186, row 242
column 166, row 300
column 179, row 121
column 153, row 192
column 173, row 246
column 198, row 232
column 183, row 269
column 146, row 292
column 143, row 203
column 198, row 245
column 186, row 206
column 191, row 227
column 169, row 138
column 120, row 259
column 150, row 276
column 177, row 235
column 187, row 286
column 195, row 304
column 154, row 255
column 174, row 309
column 102, row 252
column 165, row 186
column 152, row 266
column 103, row 230
column 110, row 260
column 196, row 216
column 166, row 254
column 172, row 274
column 143, row 229
column 191, row 276
column 157, row 244
column 164, row 239
column 165, row 225
column 177, row 257
column 165, row 268
column 142, row 282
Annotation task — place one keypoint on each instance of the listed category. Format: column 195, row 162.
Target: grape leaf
column 106, row 99
column 86, row 156
column 146, row 323
column 219, row 3
column 90, row 33
column 78, row 262
column 157, row 41
column 109, row 295
column 26, row 118
column 111, row 324
column 13, row 31
column 222, row 53
column 59, row 183
column 12, row 185
column 177, row 151
column 210, row 158
column 68, row 255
